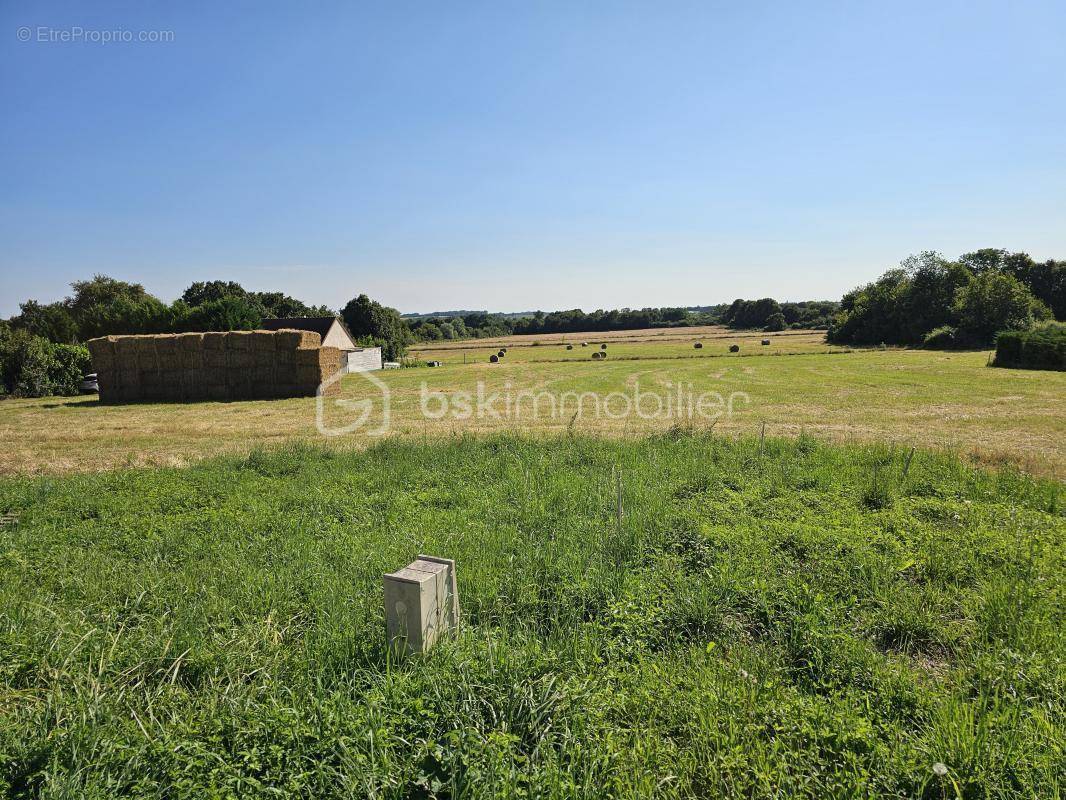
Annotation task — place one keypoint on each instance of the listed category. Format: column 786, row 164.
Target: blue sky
column 512, row 156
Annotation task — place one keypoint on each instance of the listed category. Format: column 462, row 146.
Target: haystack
column 191, row 351
column 289, row 339
column 264, row 350
column 102, row 353
column 144, row 348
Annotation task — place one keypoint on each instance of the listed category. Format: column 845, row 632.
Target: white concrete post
column 421, row 604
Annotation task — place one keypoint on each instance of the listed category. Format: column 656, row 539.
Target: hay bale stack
column 264, row 351
column 144, row 349
column 734, row 348
column 235, row 365
column 288, row 339
column 102, row 356
column 166, row 349
column 102, row 353
column 191, row 351
column 214, row 351
column 239, row 351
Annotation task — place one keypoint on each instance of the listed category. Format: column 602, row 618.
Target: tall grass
column 680, row 616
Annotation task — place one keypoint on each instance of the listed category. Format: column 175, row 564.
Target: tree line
column 41, row 347
column 764, row 314
column 933, row 302
column 927, row 301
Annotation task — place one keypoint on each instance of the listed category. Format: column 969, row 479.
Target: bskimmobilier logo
column 366, row 404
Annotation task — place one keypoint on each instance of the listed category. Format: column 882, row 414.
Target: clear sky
column 511, row 156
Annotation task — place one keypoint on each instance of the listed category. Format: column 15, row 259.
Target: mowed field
column 640, row 344
column 944, row 400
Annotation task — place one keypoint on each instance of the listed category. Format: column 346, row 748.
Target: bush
column 31, row 366
column 1043, row 347
column 942, row 338
column 775, row 322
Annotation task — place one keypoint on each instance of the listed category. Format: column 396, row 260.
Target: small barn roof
column 319, row 325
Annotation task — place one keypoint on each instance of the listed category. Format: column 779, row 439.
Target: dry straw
column 233, row 365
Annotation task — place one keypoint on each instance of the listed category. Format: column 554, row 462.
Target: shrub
column 942, row 338
column 1043, row 347
column 31, row 366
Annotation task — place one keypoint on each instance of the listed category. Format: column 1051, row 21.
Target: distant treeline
column 764, row 314
column 934, row 302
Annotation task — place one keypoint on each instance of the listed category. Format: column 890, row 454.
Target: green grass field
column 627, row 345
column 847, row 607
column 778, row 619
column 951, row 401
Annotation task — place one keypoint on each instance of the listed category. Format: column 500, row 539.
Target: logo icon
column 354, row 413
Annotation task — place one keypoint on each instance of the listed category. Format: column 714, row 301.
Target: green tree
column 228, row 313
column 992, row 302
column 53, row 321
column 928, row 295
column 368, row 318
column 101, row 290
column 202, row 292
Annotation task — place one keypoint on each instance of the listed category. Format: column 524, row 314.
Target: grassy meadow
column 943, row 400
column 680, row 615
column 628, row 345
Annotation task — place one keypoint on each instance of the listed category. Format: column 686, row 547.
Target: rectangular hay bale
column 190, row 342
column 147, row 358
column 215, row 359
column 215, row 376
column 214, row 340
column 166, row 349
column 241, row 359
column 239, row 340
column 102, row 353
column 292, row 339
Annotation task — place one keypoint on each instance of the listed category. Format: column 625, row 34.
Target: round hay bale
column 494, row 358
column 765, row 342
column 502, row 353
column 734, row 348
column 698, row 345
column 584, row 344
column 603, row 346
column 569, row 347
